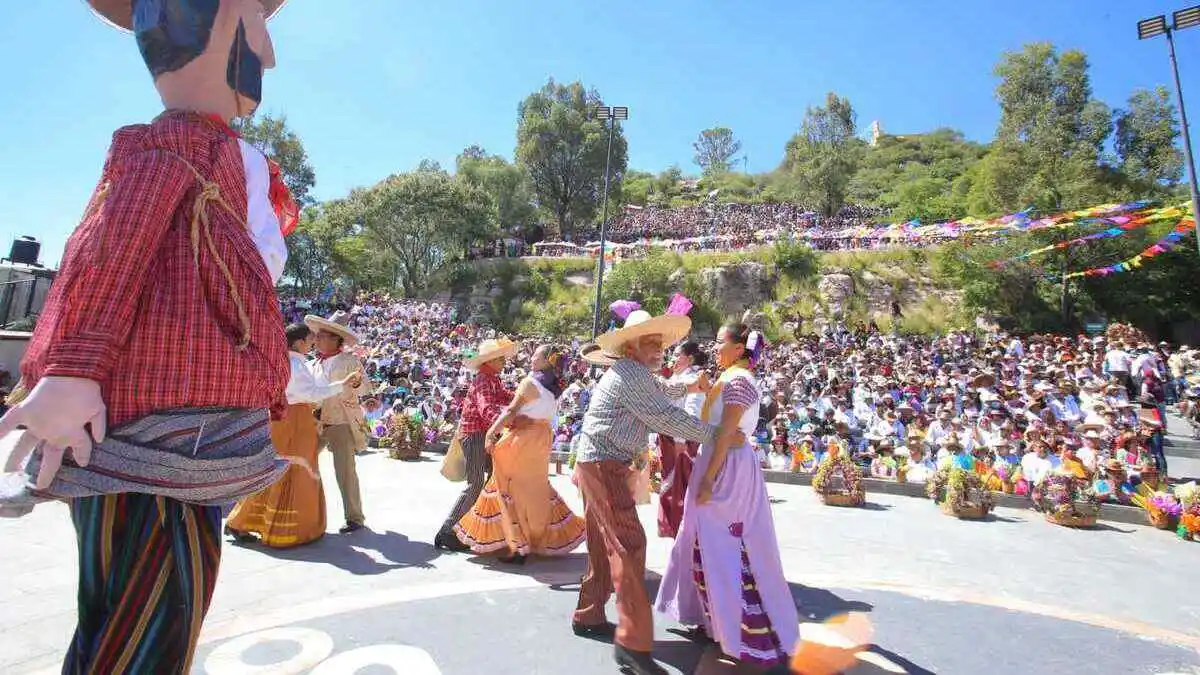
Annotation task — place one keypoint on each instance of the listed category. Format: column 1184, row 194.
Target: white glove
column 54, row 414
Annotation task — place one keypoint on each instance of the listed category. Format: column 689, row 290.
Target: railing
column 21, row 297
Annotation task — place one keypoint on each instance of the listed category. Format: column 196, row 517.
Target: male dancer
column 162, row 325
column 628, row 404
column 486, row 398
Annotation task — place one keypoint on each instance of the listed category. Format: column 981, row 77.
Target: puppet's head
column 205, row 55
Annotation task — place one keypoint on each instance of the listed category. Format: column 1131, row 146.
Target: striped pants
column 147, row 568
column 616, row 544
column 479, row 464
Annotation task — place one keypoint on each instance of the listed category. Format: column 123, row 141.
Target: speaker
column 25, row 250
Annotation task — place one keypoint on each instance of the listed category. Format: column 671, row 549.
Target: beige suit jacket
column 343, row 407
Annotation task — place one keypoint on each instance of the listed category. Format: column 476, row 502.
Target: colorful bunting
column 1170, row 241
column 1137, row 219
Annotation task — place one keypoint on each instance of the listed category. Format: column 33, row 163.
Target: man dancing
column 628, row 404
column 486, row 398
column 163, row 325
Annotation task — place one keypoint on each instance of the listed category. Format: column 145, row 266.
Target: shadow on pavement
column 364, row 552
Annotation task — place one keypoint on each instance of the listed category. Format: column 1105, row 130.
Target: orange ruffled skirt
column 292, row 511
column 518, row 510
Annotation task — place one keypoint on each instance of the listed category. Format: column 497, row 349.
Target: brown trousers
column 616, row 544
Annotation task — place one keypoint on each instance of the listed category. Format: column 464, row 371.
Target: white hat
column 491, row 350
column 336, row 323
column 672, row 328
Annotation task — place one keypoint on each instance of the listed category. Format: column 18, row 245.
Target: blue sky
column 374, row 86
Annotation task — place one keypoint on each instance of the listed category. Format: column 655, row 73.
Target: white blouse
column 260, row 214
column 305, row 386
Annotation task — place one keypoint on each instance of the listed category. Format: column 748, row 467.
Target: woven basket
column 1162, row 521
column 967, row 511
column 841, row 499
column 1084, row 515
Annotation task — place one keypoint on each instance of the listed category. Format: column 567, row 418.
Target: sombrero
column 336, row 323
column 490, row 350
column 672, row 328
column 119, row 13
column 593, row 354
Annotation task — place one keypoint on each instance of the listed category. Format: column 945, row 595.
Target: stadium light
column 612, row 115
column 1153, row 27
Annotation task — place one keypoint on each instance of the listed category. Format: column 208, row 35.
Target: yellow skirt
column 292, row 511
column 518, row 510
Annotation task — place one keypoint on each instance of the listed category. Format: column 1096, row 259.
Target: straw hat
column 119, row 13
column 491, row 350
column 338, row 323
column 672, row 328
column 593, row 354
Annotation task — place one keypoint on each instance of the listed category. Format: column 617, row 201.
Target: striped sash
column 207, row 456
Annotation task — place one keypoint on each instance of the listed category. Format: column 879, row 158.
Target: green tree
column 821, row 159
column 506, row 185
column 272, row 136
column 714, row 148
column 423, row 219
column 1147, row 134
column 914, row 176
column 563, row 147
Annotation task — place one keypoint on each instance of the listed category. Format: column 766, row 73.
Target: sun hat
column 119, row 13
column 338, row 323
column 639, row 324
column 593, row 354
column 491, row 350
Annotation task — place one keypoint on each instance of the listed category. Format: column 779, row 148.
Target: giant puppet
column 160, row 355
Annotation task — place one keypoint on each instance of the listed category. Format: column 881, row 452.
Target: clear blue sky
column 374, row 86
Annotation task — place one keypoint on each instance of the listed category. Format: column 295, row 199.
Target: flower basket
column 960, row 493
column 1150, row 477
column 1162, row 520
column 1069, row 501
column 838, row 481
column 407, row 439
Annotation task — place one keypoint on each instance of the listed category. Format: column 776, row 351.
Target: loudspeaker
column 25, row 250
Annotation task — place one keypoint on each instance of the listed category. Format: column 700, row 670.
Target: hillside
column 783, row 284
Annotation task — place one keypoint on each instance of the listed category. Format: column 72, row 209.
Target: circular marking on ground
column 229, row 658
column 403, row 659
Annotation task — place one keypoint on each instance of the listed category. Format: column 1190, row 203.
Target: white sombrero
column 490, row 350
column 337, row 323
column 119, row 13
column 672, row 328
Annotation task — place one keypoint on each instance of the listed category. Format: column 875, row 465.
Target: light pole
column 1148, row 28
column 612, row 115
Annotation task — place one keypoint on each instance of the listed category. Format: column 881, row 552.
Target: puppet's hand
column 55, row 414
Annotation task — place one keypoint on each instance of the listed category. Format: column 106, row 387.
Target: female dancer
column 518, row 510
column 724, row 573
column 679, row 455
column 292, row 511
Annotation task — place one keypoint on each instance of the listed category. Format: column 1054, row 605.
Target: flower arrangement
column 406, row 437
column 960, row 493
column 1188, row 498
column 1162, row 508
column 837, row 464
column 1069, row 501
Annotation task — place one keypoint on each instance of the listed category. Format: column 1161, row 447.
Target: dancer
column 519, row 511
column 486, row 398
column 342, row 423
column 678, row 454
column 724, row 573
column 162, row 325
column 628, row 404
column 292, row 511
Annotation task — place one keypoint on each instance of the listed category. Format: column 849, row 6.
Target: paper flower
column 623, row 308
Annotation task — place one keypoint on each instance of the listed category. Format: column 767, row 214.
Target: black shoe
column 350, row 527
column 598, row 631
column 636, row 663
column 239, row 536
column 698, row 635
column 515, row 559
column 446, row 541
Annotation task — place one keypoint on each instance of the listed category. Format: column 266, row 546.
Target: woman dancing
column 518, row 510
column 724, row 574
column 679, row 455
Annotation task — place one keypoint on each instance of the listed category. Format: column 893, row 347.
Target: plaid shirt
column 486, row 399
column 629, row 404
column 131, row 308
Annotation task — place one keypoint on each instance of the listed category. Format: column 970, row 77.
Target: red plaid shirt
column 127, row 308
column 486, row 399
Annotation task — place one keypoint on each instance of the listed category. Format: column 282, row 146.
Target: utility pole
column 611, row 115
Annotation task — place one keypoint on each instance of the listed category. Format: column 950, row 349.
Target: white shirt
column 1034, row 468
column 260, row 214
column 305, row 386
column 1117, row 361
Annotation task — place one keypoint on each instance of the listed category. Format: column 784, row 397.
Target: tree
column 274, row 139
column 563, row 147
column 506, row 185
column 914, row 176
column 822, row 158
column 423, row 219
column 714, row 148
column 1147, row 133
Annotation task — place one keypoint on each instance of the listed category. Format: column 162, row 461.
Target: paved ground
column 1010, row 595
